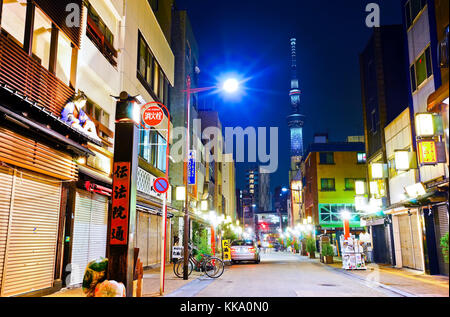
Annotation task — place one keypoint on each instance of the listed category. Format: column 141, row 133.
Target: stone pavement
column 150, row 284
column 404, row 281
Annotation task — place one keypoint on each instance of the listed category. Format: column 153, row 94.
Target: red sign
column 153, row 116
column 161, row 185
column 427, row 152
column 120, row 203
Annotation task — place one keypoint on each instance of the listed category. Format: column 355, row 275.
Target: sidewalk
column 410, row 282
column 150, row 283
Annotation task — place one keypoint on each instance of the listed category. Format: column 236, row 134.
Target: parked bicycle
column 212, row 266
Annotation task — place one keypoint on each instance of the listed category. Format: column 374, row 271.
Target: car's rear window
column 242, row 242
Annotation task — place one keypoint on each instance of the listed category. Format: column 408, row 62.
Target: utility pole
column 186, row 206
column 122, row 214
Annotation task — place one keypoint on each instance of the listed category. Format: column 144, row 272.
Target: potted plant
column 444, row 245
column 311, row 248
column 327, row 253
column 296, row 247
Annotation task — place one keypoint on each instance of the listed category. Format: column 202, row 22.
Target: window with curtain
column 326, row 158
column 328, row 184
column 421, row 69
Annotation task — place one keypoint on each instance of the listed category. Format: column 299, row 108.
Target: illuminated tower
column 296, row 119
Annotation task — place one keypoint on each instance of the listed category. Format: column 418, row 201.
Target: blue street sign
column 192, row 179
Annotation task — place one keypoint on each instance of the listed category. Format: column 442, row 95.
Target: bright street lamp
column 230, row 85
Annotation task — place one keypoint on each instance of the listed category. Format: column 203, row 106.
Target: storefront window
column 13, row 19
column 42, row 37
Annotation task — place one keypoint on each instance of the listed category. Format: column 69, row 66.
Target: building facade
column 96, row 60
column 384, row 97
column 330, row 171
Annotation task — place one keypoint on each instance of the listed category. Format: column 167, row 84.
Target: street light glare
column 231, row 85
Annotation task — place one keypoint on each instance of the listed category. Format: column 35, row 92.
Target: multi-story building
column 420, row 217
column 264, row 190
column 330, row 171
column 210, row 119
column 252, row 183
column 186, row 53
column 38, row 54
column 72, row 164
column 384, row 97
column 229, row 186
column 281, row 205
column 438, row 103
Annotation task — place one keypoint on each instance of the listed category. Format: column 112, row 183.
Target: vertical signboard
column 192, row 168
column 120, row 204
column 226, row 250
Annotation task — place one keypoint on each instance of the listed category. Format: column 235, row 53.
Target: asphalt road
column 283, row 275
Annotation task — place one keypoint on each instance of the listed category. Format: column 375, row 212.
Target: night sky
column 251, row 39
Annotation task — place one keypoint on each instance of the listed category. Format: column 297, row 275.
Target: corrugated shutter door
column 142, row 237
column 443, row 220
column 30, row 260
column 98, row 228
column 80, row 239
column 6, row 179
column 153, row 239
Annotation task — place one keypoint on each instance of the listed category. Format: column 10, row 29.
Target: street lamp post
column 230, row 86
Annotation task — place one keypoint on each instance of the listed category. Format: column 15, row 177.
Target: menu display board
column 352, row 254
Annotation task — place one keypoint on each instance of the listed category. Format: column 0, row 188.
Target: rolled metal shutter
column 143, row 237
column 443, row 220
column 98, row 228
column 33, row 233
column 89, row 233
column 80, row 236
column 6, row 181
column 153, row 240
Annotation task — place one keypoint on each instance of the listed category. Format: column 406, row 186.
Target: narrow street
column 292, row 275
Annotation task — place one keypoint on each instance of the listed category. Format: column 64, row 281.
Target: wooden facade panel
column 18, row 150
column 20, row 72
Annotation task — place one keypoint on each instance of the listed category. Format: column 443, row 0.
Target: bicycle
column 212, row 266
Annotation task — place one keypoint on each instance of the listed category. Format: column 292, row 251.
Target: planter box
column 328, row 259
column 312, row 255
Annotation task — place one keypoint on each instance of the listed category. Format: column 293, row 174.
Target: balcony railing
column 22, row 73
column 96, row 36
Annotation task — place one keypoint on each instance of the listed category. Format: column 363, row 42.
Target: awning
column 436, row 98
column 430, row 198
column 152, row 210
column 50, row 134
column 23, row 104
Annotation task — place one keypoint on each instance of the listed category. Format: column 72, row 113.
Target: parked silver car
column 244, row 250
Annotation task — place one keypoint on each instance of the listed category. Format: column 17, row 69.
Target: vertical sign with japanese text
column 226, row 250
column 120, row 203
column 192, row 168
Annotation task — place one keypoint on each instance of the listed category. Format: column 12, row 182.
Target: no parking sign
column 161, row 185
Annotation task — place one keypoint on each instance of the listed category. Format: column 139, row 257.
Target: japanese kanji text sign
column 226, row 250
column 120, row 203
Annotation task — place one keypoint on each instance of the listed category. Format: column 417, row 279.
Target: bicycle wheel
column 178, row 268
column 214, row 267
